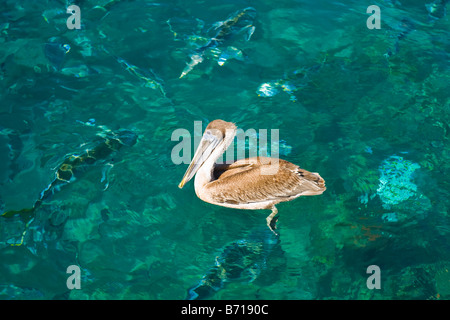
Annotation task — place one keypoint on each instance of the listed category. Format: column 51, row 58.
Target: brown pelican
column 245, row 183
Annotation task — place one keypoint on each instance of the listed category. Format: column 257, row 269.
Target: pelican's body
column 253, row 183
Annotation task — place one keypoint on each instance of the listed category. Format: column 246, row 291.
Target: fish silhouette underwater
column 240, row 22
column 73, row 166
column 244, row 261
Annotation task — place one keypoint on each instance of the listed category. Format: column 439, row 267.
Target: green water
column 373, row 124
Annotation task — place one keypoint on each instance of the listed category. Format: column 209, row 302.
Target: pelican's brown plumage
column 253, row 183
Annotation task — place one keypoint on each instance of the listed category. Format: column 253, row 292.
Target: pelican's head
column 218, row 135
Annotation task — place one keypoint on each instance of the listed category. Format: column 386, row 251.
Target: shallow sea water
column 368, row 109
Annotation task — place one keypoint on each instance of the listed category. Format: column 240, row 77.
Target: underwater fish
column 240, row 261
column 290, row 83
column 75, row 164
column 406, row 26
column 239, row 22
column 437, row 9
column 139, row 73
column 190, row 28
column 228, row 54
column 150, row 79
column 55, row 51
column 270, row 89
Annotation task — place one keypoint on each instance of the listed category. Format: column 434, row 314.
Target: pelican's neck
column 206, row 172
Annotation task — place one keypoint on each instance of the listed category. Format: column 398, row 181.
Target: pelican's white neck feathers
column 206, row 172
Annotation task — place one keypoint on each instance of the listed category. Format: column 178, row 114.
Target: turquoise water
column 366, row 108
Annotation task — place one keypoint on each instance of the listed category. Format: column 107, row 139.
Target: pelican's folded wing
column 243, row 182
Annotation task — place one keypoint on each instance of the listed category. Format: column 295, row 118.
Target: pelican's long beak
column 207, row 145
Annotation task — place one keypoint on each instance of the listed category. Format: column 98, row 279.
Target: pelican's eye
column 209, row 136
column 213, row 135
